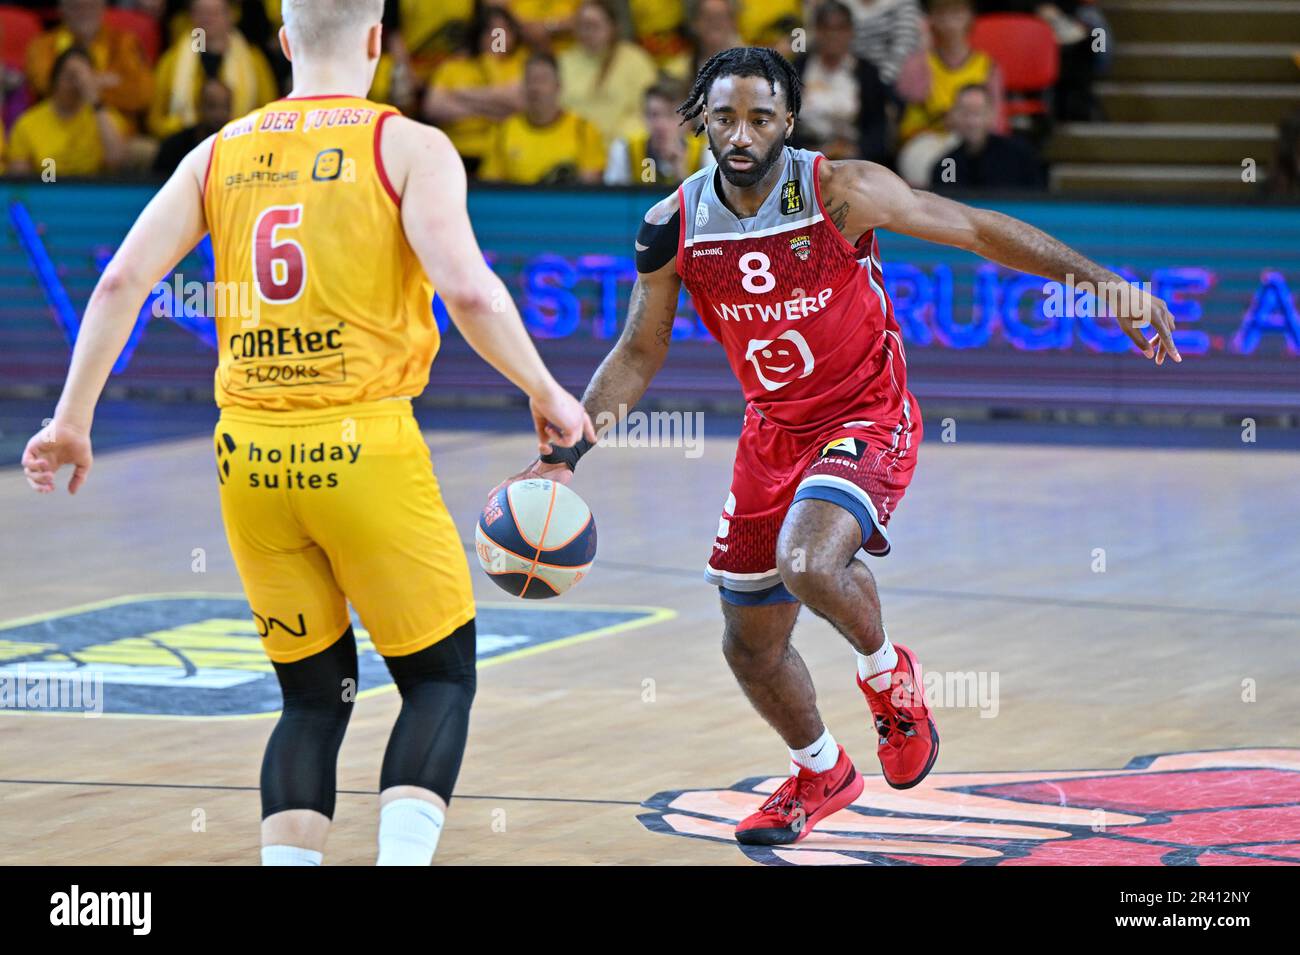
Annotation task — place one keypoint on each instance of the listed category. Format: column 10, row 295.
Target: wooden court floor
column 1105, row 604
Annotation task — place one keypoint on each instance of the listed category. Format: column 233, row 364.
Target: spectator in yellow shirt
column 214, row 49
column 603, row 77
column 769, row 22
column 666, row 152
column 424, row 33
column 660, row 27
column 544, row 22
column 125, row 81
column 930, row 82
column 944, row 66
column 71, row 133
column 435, row 29
column 712, row 29
column 544, row 144
column 483, row 86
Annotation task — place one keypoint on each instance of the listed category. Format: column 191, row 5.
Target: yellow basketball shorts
column 329, row 506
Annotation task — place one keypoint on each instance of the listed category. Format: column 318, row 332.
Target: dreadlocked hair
column 743, row 61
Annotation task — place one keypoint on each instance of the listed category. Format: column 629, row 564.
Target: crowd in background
column 552, row 91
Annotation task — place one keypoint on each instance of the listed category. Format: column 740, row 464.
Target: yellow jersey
column 945, row 83
column 319, row 298
column 472, row 136
column 547, row 155
column 536, row 11
column 72, row 145
column 659, row 26
column 758, row 19
column 638, row 149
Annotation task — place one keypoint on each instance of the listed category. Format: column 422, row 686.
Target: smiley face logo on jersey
column 779, row 361
column 328, row 166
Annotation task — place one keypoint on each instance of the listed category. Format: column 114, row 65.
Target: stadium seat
column 143, row 26
column 1025, row 50
column 18, row 27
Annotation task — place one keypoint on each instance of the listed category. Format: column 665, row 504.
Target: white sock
column 408, row 832
column 874, row 669
column 820, row 755
column 289, row 855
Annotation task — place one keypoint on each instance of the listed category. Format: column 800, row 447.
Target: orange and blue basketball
column 536, row 538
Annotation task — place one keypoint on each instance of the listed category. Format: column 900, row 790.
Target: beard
column 744, row 178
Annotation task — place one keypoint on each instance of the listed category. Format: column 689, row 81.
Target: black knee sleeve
column 298, row 770
column 437, row 686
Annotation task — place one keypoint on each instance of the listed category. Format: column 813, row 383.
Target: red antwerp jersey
column 801, row 311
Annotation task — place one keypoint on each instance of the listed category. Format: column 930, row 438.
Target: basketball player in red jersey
column 778, row 249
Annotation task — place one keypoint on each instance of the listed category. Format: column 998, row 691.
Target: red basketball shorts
column 859, row 465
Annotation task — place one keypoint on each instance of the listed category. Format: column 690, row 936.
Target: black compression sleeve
column 656, row 245
column 568, row 456
column 428, row 740
column 299, row 767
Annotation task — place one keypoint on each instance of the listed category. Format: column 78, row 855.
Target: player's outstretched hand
column 51, row 448
column 1145, row 311
column 560, row 419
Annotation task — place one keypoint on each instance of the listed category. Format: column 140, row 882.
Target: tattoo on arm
column 839, row 214
column 636, row 313
column 664, row 333
column 627, row 370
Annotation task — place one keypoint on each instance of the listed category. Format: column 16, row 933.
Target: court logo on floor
column 1219, row 807
column 199, row 655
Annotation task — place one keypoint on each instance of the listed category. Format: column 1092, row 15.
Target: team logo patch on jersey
column 844, row 448
column 781, row 360
column 328, row 166
column 791, row 198
column 701, row 215
column 1224, row 807
column 200, row 655
column 801, row 245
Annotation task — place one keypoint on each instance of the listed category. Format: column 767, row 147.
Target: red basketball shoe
column 800, row 803
column 909, row 742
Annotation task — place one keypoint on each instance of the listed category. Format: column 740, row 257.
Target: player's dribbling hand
column 1146, row 311
column 559, row 473
column 51, row 448
column 560, row 419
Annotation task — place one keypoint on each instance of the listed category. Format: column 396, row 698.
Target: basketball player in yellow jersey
column 336, row 212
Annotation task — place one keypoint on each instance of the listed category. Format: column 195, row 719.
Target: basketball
column 536, row 539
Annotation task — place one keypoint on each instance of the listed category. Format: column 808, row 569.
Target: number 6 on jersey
column 279, row 267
